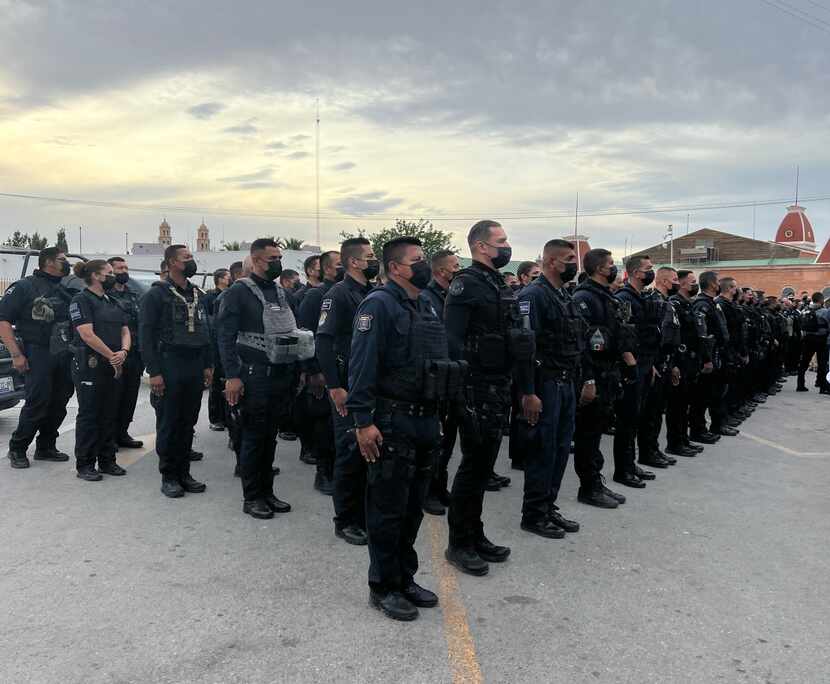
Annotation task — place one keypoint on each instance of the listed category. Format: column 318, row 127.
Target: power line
column 801, row 15
column 819, row 5
column 514, row 215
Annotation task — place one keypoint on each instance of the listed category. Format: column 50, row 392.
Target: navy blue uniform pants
column 47, row 391
column 629, row 410
column 264, row 408
column 349, row 475
column 178, row 410
column 133, row 369
column 396, row 485
column 550, row 443
column 98, row 400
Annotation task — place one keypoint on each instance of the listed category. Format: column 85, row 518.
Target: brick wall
column 773, row 279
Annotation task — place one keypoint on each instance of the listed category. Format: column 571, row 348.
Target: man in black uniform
column 711, row 388
column 311, row 267
column 691, row 357
column 38, row 307
column 175, row 344
column 444, row 267
column 647, row 317
column 334, row 341
column 610, row 342
column 738, row 356
column 133, row 367
column 261, row 348
column 813, row 343
column 485, row 328
column 314, row 408
column 216, row 400
column 549, row 398
column 398, row 373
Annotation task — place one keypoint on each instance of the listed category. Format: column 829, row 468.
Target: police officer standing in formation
column 311, row 266
column 549, row 396
column 813, row 343
column 445, row 265
column 315, row 409
column 334, row 340
column 646, row 316
column 176, row 347
column 133, row 367
column 38, row 307
column 101, row 345
column 611, row 339
column 484, row 328
column 711, row 387
column 216, row 400
column 527, row 272
column 691, row 358
column 398, row 374
column 261, row 347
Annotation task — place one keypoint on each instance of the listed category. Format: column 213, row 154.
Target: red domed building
column 796, row 230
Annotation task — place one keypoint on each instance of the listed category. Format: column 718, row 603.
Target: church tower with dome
column 165, row 238
column 202, row 238
column 796, row 230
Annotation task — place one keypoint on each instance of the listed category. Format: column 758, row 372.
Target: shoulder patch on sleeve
column 9, row 290
column 524, row 307
column 326, row 305
column 75, row 311
column 583, row 306
column 456, row 287
column 364, row 322
column 323, row 316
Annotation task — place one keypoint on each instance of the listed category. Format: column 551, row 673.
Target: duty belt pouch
column 491, row 352
column 522, row 344
column 59, row 338
column 434, row 379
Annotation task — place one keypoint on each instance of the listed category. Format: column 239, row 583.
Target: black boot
column 87, row 472
column 393, row 605
column 467, row 560
column 171, row 488
column 323, row 484
column 257, row 509
column 18, row 459
column 192, row 486
column 51, row 454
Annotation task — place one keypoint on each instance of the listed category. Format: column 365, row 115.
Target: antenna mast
column 796, row 184
column 317, row 163
column 576, row 234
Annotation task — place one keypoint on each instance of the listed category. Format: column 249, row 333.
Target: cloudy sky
column 451, row 111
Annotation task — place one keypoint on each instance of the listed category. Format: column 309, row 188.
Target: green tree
column 61, row 242
column 17, row 239
column 37, row 242
column 292, row 243
column 433, row 239
column 231, row 246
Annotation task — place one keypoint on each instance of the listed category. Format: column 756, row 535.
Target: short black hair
column 525, row 267
column 707, row 279
column 668, row 268
column 288, row 273
column 172, row 252
column 309, row 262
column 594, row 259
column 817, row 297
column 115, row 260
column 440, row 255
column 218, row 274
column 163, row 266
column 557, row 243
column 353, row 247
column 480, row 232
column 48, row 254
column 634, row 262
column 261, row 243
column 327, row 258
column 235, row 268
column 726, row 281
column 395, row 249
column 507, row 274
column 582, row 277
column 683, row 273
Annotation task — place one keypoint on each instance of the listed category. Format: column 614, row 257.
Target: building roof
column 795, row 228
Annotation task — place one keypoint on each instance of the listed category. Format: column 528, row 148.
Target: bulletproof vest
column 809, row 321
column 563, row 339
column 651, row 310
column 127, row 301
column 427, row 374
column 107, row 322
column 45, row 319
column 608, row 339
column 184, row 323
column 493, row 349
column 282, row 341
column 671, row 333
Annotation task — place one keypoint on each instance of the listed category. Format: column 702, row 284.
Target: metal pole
column 80, row 240
column 576, row 234
column 317, row 164
column 671, row 245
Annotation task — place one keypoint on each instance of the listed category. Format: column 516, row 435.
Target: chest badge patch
column 364, row 323
column 456, row 287
column 93, row 361
column 326, row 305
column 524, row 307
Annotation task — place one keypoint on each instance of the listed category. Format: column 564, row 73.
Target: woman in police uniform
column 101, row 343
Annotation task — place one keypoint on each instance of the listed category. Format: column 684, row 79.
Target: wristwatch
column 589, row 382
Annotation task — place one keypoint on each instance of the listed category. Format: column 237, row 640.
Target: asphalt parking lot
column 716, row 572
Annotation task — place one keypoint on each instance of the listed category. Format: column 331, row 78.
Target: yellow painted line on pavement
column 128, row 457
column 786, row 450
column 461, row 648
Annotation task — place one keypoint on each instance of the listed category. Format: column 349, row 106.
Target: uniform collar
column 630, row 288
column 262, row 282
column 353, row 284
column 100, row 298
column 398, row 291
column 435, row 287
column 47, row 276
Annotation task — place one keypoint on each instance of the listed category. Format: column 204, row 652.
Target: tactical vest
column 564, row 338
column 671, row 333
column 648, row 329
column 282, row 341
column 107, row 323
column 184, row 322
column 494, row 352
column 608, row 340
column 45, row 319
column 809, row 321
column 427, row 374
column 127, row 301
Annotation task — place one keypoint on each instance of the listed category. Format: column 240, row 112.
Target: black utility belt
column 408, row 408
column 179, row 351
column 559, row 374
column 267, row 370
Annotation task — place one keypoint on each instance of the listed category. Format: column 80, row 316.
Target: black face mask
column 421, row 273
column 340, row 274
column 297, row 286
column 122, row 278
column 274, row 269
column 109, row 282
column 717, row 290
column 673, row 289
column 694, row 290
column 503, row 256
column 612, row 275
column 65, row 268
column 190, row 268
column 515, row 287
column 569, row 273
column 648, row 278
column 372, row 269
